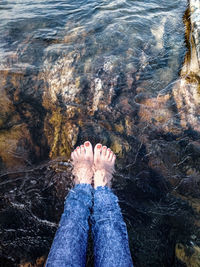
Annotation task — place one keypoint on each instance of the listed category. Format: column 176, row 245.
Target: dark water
column 107, row 71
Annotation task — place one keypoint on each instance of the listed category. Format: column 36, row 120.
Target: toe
column 113, row 159
column 111, row 155
column 72, row 156
column 82, row 150
column 97, row 151
column 88, row 150
column 78, row 150
column 75, row 155
column 104, row 151
column 108, row 153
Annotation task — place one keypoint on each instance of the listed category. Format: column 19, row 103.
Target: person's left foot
column 82, row 159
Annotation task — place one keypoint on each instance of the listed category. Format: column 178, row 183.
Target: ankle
column 83, row 176
column 82, row 181
column 102, row 178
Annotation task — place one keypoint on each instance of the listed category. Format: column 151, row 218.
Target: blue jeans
column 111, row 246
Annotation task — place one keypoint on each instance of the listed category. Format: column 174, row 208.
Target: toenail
column 104, row 147
column 98, row 146
column 77, row 147
column 87, row 143
column 82, row 145
column 109, row 149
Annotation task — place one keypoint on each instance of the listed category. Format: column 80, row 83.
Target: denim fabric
column 70, row 243
column 109, row 230
column 110, row 236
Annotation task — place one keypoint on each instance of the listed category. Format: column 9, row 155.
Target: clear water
column 107, row 71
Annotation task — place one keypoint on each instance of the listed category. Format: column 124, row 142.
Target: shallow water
column 107, row 71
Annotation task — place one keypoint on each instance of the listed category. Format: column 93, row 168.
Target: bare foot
column 104, row 161
column 83, row 163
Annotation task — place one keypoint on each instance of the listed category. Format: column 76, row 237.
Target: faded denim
column 111, row 248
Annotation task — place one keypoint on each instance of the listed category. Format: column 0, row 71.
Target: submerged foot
column 82, row 160
column 104, row 161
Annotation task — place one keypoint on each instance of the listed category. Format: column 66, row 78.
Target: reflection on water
column 111, row 72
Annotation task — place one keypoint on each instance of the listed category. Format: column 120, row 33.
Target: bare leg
column 111, row 246
column 70, row 242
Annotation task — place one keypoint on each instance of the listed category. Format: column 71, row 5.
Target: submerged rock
column 40, row 262
column 190, row 255
column 195, row 25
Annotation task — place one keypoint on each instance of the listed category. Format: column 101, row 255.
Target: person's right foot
column 104, row 161
column 82, row 160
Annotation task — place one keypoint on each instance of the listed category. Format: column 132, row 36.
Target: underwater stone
column 195, row 21
column 190, row 255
